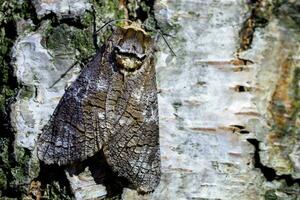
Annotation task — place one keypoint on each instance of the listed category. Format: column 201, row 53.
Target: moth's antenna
column 150, row 28
column 167, row 43
column 107, row 23
column 112, row 21
column 73, row 65
column 162, row 35
column 64, row 74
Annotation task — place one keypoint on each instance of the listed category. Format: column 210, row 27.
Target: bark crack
column 256, row 19
column 268, row 172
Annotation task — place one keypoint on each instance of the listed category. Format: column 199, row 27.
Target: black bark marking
column 268, row 172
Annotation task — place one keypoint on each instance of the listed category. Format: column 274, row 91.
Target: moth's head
column 131, row 49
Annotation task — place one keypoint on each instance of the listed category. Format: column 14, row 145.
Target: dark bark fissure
column 70, row 21
column 31, row 13
column 7, row 133
column 15, row 190
column 53, row 173
column 55, row 21
column 256, row 19
column 268, row 172
column 260, row 13
column 141, row 12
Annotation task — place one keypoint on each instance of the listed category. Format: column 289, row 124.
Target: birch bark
column 228, row 102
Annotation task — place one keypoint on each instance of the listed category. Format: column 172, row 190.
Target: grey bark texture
column 228, row 101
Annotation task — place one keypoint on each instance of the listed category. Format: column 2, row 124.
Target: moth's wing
column 73, row 132
column 132, row 146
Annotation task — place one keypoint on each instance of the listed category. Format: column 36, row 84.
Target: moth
column 112, row 106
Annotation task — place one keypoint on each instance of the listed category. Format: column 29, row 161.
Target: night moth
column 112, row 107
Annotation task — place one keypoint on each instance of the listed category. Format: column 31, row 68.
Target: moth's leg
column 64, row 74
column 81, row 64
column 165, row 40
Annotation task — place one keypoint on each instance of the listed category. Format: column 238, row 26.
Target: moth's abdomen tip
column 146, row 189
column 149, row 186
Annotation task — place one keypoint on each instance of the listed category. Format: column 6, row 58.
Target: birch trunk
column 228, row 101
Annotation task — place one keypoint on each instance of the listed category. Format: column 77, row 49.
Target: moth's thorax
column 131, row 48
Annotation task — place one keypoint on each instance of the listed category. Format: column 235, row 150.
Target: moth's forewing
column 75, row 131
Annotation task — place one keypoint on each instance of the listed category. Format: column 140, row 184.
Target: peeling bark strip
column 112, row 106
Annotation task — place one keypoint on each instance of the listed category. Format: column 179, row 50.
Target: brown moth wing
column 75, row 131
column 112, row 105
column 131, row 144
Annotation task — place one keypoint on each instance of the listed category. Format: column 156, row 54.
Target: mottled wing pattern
column 111, row 106
column 132, row 140
column 74, row 130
